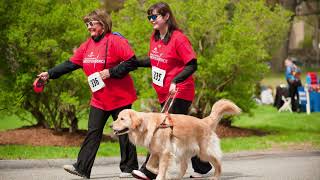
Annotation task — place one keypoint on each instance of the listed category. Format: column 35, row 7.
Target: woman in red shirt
column 173, row 62
column 106, row 59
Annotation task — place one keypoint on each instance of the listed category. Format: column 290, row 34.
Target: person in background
column 106, row 59
column 293, row 74
column 173, row 62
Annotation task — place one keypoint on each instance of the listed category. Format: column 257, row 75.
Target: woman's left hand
column 105, row 74
column 173, row 88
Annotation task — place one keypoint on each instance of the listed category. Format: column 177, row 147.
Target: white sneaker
column 139, row 175
column 125, row 175
column 196, row 175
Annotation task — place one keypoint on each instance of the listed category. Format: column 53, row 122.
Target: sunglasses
column 153, row 17
column 92, row 23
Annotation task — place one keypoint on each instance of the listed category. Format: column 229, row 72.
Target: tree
column 38, row 35
column 233, row 42
column 233, row 45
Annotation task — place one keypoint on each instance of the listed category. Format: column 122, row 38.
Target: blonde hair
column 102, row 16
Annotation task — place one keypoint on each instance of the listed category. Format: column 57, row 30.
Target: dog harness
column 165, row 109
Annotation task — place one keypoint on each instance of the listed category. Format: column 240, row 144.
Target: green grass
column 54, row 152
column 269, row 119
column 286, row 131
column 283, row 141
column 12, row 122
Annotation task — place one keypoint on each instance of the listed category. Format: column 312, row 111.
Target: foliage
column 38, row 35
column 131, row 22
column 233, row 42
column 241, row 52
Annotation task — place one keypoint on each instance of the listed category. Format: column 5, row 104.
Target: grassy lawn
column 12, row 122
column 55, row 152
column 287, row 131
column 52, row 152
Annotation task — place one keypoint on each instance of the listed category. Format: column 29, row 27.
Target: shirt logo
column 155, row 55
column 91, row 55
column 93, row 61
column 155, row 50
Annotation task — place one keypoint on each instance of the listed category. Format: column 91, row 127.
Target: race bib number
column 158, row 76
column 95, row 82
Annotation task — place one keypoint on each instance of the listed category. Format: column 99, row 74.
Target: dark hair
column 102, row 16
column 163, row 8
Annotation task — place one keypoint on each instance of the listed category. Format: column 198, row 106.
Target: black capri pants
column 90, row 146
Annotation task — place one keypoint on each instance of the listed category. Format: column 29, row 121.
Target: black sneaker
column 72, row 170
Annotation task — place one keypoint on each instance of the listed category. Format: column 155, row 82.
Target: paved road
column 239, row 166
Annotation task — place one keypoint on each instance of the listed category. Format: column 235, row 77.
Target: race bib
column 95, row 82
column 158, row 76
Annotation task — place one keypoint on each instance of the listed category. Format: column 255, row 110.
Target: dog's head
column 127, row 121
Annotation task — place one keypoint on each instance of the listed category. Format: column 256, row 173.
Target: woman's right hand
column 44, row 76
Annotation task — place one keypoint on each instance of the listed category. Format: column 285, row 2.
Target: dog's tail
column 219, row 109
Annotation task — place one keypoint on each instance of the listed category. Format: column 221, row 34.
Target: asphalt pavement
column 289, row 165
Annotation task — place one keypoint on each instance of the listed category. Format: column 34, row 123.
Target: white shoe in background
column 125, row 175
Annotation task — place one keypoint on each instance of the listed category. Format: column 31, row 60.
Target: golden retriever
column 188, row 137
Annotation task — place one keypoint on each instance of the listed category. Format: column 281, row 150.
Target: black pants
column 180, row 106
column 293, row 93
column 90, row 146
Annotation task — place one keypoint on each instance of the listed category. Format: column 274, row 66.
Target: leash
column 167, row 106
column 37, row 87
column 18, row 101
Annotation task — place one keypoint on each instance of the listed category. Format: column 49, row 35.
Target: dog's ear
column 135, row 120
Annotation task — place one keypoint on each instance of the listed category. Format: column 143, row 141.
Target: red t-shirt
column 91, row 56
column 167, row 62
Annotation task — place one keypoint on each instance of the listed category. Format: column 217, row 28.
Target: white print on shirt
column 90, row 59
column 156, row 56
column 91, row 55
column 93, row 60
column 155, row 50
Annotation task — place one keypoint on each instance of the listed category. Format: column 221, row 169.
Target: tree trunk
column 40, row 119
column 73, row 125
column 37, row 114
column 72, row 120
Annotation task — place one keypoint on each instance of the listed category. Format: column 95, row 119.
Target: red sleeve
column 79, row 53
column 122, row 49
column 184, row 49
